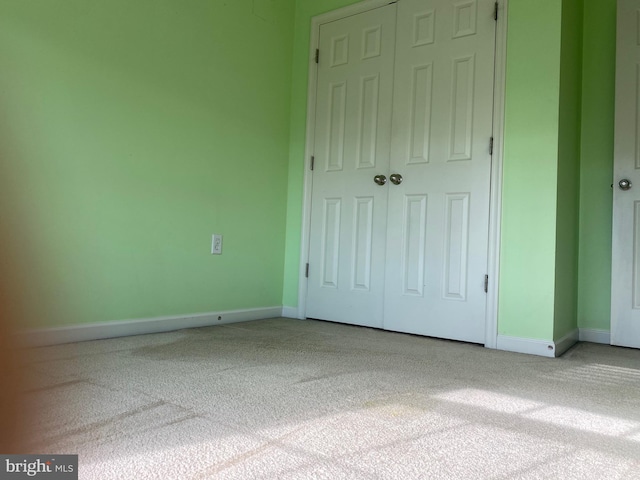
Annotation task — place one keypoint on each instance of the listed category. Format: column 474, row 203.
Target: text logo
column 49, row 467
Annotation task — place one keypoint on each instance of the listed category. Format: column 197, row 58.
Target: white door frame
column 495, row 207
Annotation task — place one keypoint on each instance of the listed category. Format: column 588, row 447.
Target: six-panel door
column 442, row 124
column 352, row 141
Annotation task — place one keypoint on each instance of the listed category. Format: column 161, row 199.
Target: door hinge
column 317, row 55
column 491, row 146
column 486, row 282
column 306, row 271
column 495, row 12
column 313, row 162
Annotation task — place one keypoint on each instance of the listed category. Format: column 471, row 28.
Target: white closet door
column 625, row 281
column 442, row 125
column 352, row 135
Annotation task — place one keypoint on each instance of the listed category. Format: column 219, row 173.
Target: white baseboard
column 533, row 346
column 566, row 342
column 594, row 335
column 140, row 326
column 290, row 312
column 526, row 345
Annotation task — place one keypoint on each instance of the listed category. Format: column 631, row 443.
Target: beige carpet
column 293, row 399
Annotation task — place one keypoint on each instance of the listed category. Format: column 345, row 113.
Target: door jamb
column 495, row 207
column 495, row 201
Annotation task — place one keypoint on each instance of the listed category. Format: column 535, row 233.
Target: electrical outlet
column 216, row 244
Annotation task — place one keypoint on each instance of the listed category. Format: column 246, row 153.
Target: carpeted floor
column 292, row 399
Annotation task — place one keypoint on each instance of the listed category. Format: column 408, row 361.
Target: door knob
column 380, row 179
column 396, row 178
column 624, row 184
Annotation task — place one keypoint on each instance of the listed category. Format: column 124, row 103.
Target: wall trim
column 538, row 347
column 346, row 11
column 290, row 312
column 595, row 335
column 566, row 342
column 530, row 346
column 141, row 326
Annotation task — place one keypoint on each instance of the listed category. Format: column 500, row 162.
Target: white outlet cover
column 216, row 244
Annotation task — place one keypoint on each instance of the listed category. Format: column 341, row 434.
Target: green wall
column 530, row 168
column 596, row 167
column 566, row 279
column 133, row 130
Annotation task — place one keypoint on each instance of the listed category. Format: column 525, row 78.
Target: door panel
column 352, row 136
column 456, row 231
column 625, row 283
column 442, row 125
column 414, row 226
column 420, row 119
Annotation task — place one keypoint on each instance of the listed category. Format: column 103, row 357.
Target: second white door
column 625, row 280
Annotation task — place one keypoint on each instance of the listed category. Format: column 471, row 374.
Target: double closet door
column 401, row 179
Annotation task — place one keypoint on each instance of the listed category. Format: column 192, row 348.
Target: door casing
column 495, row 207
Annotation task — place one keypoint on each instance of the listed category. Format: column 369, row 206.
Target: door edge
column 495, row 202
